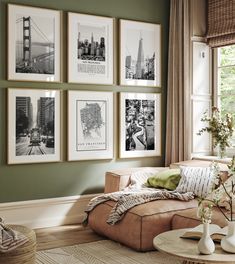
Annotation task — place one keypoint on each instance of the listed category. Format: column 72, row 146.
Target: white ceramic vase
column 206, row 245
column 228, row 242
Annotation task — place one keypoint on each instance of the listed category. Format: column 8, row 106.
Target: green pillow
column 167, row 179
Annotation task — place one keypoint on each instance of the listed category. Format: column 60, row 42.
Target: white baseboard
column 46, row 212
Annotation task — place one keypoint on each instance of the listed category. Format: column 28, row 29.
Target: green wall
column 36, row 181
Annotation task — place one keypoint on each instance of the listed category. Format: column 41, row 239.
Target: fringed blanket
column 126, row 200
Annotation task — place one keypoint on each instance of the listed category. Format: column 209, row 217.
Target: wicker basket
column 24, row 254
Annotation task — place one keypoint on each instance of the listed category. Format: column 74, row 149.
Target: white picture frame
column 140, row 53
column 33, row 125
column 90, row 49
column 140, row 125
column 90, row 125
column 34, row 44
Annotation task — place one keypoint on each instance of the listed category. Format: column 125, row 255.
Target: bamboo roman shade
column 221, row 23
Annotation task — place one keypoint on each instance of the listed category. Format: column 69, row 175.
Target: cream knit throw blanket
column 9, row 238
column 126, row 200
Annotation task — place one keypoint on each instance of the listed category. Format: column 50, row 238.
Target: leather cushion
column 189, row 219
column 140, row 224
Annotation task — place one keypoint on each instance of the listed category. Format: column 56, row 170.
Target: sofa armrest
column 119, row 179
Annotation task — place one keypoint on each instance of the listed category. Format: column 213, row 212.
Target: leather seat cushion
column 188, row 219
column 140, row 224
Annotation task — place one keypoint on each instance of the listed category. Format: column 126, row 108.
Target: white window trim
column 231, row 150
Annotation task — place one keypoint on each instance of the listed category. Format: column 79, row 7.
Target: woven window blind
column 221, row 23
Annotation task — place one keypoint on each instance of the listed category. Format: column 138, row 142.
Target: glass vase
column 206, row 245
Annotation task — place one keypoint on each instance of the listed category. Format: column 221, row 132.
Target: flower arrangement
column 221, row 192
column 220, row 128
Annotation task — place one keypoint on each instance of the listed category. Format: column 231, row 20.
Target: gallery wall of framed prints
column 34, row 114
column 34, row 44
column 33, row 125
column 90, row 49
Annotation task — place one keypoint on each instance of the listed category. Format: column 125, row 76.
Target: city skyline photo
column 140, row 54
column 91, row 42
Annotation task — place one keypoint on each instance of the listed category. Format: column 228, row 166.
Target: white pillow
column 140, row 177
column 198, row 180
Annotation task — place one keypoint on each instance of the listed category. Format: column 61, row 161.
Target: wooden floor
column 61, row 236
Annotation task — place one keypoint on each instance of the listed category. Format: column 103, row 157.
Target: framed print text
column 90, row 49
column 140, row 125
column 90, row 125
column 140, row 53
column 34, row 44
column 33, row 126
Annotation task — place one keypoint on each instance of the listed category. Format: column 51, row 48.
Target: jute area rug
column 101, row 252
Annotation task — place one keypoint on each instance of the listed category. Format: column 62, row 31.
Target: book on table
column 216, row 232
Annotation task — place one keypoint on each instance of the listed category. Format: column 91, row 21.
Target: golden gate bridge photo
column 35, row 45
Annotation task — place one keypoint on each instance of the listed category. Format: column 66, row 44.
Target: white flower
column 205, row 212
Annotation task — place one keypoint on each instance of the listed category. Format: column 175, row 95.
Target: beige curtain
column 178, row 118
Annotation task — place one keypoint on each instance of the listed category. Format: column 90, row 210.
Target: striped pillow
column 198, row 180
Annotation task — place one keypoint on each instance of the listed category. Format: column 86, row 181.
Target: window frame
column 230, row 151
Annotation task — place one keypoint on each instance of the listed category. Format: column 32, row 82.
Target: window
column 225, row 81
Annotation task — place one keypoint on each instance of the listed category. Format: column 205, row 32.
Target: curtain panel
column 220, row 23
column 178, row 118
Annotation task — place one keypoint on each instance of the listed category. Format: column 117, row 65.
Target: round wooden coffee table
column 186, row 249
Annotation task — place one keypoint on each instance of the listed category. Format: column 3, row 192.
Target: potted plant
column 221, row 129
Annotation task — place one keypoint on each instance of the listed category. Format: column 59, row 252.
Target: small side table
column 24, row 254
column 186, row 249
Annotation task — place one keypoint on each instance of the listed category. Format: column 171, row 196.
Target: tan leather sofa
column 143, row 222
column 189, row 219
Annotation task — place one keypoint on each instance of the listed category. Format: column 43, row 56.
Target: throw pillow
column 139, row 177
column 198, row 180
column 167, row 179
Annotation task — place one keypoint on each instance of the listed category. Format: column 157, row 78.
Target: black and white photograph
column 90, row 125
column 91, row 43
column 35, row 123
column 90, row 46
column 35, row 44
column 140, row 53
column 140, row 120
column 35, row 40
